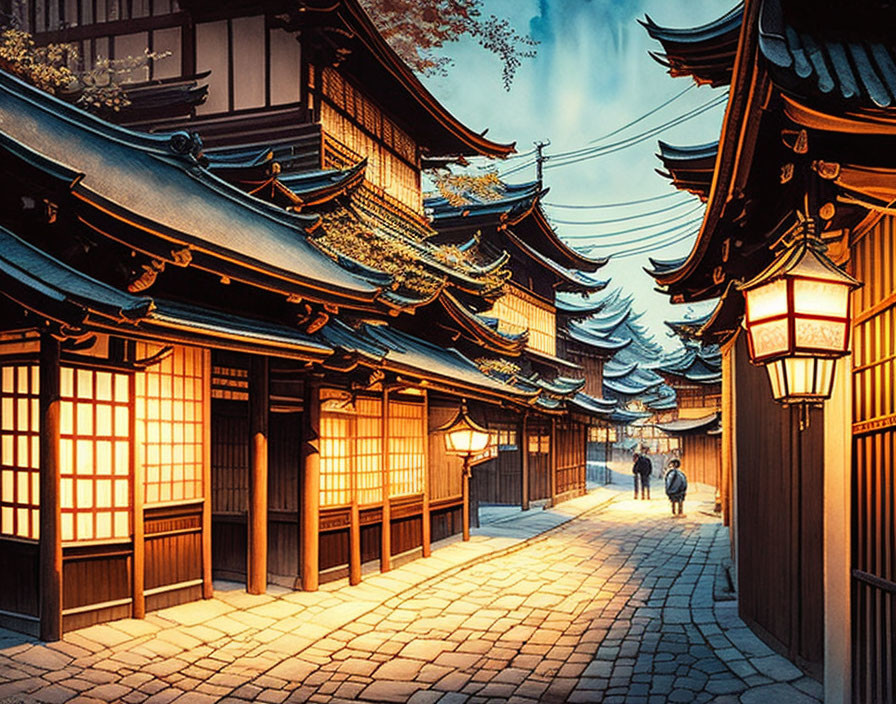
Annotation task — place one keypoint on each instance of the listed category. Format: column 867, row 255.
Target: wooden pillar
column 553, row 460
column 207, row 588
column 50, row 510
column 257, row 563
column 466, row 497
column 425, row 518
column 524, row 455
column 354, row 531
column 311, row 488
column 386, row 525
column 138, row 605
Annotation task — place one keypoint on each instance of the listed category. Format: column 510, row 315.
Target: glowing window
column 94, row 454
column 19, row 447
column 170, row 409
column 335, row 459
column 407, row 460
column 539, row 444
column 369, row 450
column 516, row 311
column 351, row 443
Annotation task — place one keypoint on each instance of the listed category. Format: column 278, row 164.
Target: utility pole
column 540, row 158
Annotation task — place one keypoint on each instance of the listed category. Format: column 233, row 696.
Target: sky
column 592, row 74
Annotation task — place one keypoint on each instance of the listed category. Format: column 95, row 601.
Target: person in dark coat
column 642, row 470
column 676, row 486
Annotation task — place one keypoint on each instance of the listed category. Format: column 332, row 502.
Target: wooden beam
column 138, row 564
column 50, row 509
column 466, row 498
column 311, row 488
column 257, row 563
column 524, row 455
column 426, row 518
column 553, row 460
column 354, row 530
column 207, row 588
column 386, row 526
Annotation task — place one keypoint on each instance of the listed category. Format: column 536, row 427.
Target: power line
column 653, row 247
column 613, row 205
column 637, row 228
column 642, row 117
column 677, row 229
column 584, row 154
column 610, row 221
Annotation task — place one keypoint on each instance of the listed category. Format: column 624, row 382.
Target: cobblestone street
column 603, row 599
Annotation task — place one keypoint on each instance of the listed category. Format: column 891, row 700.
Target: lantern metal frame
column 799, row 371
column 462, row 422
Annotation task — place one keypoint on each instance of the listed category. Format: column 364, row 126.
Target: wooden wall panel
column 229, row 547
column 701, row 458
column 446, row 522
column 874, row 467
column 371, row 542
column 406, row 534
column 539, row 463
column 780, row 566
column 333, row 549
column 20, row 594
column 571, row 442
column 283, row 494
column 230, row 488
column 445, row 471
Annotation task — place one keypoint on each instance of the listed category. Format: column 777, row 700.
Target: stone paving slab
column 600, row 599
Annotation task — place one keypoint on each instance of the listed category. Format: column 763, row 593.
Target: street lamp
column 798, row 319
column 465, row 438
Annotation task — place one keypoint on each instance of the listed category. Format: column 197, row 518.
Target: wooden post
column 524, row 455
column 207, row 588
column 257, row 563
column 311, row 488
column 354, row 531
column 553, row 460
column 50, row 509
column 386, row 525
column 425, row 518
column 466, row 497
column 138, row 605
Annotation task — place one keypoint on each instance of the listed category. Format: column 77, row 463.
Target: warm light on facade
column 465, row 437
column 798, row 320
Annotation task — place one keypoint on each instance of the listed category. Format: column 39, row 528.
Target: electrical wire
column 635, row 216
column 613, row 205
column 651, row 248
column 677, row 229
column 643, row 117
column 583, row 155
column 637, row 228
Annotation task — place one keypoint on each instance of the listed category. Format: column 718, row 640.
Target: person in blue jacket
column 642, row 470
column 676, row 486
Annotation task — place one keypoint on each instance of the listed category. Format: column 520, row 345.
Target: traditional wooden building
column 804, row 150
column 209, row 363
column 542, row 454
column 695, row 372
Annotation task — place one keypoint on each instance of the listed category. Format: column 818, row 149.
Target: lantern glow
column 466, row 438
column 463, row 436
column 797, row 320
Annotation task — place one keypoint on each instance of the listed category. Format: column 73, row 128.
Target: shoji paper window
column 335, row 459
column 19, row 445
column 369, row 450
column 169, row 408
column 94, row 454
column 407, row 461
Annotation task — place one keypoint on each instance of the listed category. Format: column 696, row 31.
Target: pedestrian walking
column 642, row 470
column 676, row 486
